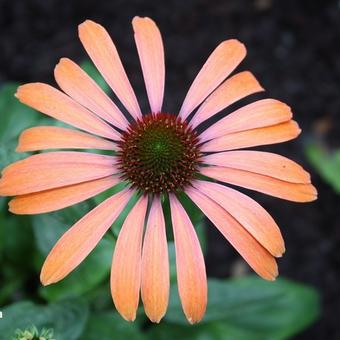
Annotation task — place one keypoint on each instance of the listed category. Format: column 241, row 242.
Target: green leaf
column 117, row 225
column 110, row 192
column 90, row 69
column 66, row 318
column 89, row 274
column 194, row 213
column 172, row 261
column 197, row 219
column 18, row 243
column 16, row 254
column 15, row 117
column 327, row 164
column 206, row 331
column 48, row 228
column 273, row 309
column 107, row 326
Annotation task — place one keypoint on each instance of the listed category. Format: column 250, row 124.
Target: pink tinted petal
column 74, row 246
column 155, row 265
column 191, row 275
column 59, row 198
column 233, row 89
column 62, row 157
column 262, row 136
column 248, row 213
column 53, row 137
column 295, row 192
column 223, row 60
column 126, row 262
column 262, row 113
column 104, row 55
column 56, row 104
column 52, row 170
column 262, row 262
column 263, row 163
column 74, row 81
column 151, row 54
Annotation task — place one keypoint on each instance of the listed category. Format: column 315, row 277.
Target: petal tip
column 137, row 19
column 233, row 44
column 24, row 91
column 194, row 320
column 281, row 249
column 86, row 24
column 130, row 317
column 155, row 319
column 18, row 92
column 3, row 192
column 44, row 281
column 313, row 193
column 11, row 208
column 62, row 61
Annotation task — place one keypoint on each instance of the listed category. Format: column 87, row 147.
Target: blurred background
column 294, row 51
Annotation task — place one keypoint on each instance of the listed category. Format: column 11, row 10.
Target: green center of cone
column 160, row 149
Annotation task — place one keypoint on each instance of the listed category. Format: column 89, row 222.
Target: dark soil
column 293, row 48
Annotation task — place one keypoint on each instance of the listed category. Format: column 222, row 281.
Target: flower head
column 157, row 153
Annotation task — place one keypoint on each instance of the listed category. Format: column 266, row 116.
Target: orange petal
column 263, row 163
column 126, row 262
column 58, row 157
column 248, row 213
column 73, row 247
column 233, row 89
column 155, row 265
column 262, row 113
column 262, row 136
column 53, row 137
column 52, row 170
column 104, row 55
column 74, row 81
column 223, row 60
column 271, row 186
column 191, row 275
column 257, row 257
column 151, row 54
column 55, row 199
column 56, row 104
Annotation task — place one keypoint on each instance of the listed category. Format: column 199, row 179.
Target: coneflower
column 158, row 153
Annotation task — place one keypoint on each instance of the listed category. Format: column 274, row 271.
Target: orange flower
column 157, row 154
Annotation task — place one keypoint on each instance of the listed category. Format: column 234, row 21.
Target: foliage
column 80, row 306
column 327, row 164
column 33, row 333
